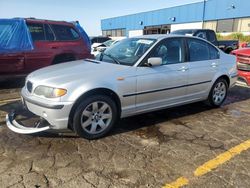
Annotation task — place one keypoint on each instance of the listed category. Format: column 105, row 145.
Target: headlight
column 50, row 92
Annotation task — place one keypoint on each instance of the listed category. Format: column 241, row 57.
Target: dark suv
column 54, row 42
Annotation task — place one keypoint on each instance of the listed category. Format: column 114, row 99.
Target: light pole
column 204, row 11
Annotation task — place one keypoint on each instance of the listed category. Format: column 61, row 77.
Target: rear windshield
column 183, row 32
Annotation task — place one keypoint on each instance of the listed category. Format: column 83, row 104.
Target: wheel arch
column 226, row 77
column 97, row 91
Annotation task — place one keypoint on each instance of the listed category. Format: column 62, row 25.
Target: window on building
column 245, row 25
column 114, row 33
column 210, row 25
column 225, row 25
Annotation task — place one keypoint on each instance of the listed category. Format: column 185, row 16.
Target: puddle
column 153, row 132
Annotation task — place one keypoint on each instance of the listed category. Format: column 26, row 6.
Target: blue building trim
column 196, row 12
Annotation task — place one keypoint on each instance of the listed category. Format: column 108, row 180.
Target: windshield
column 108, row 43
column 127, row 51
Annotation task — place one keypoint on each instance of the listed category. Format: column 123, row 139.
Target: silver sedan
column 136, row 75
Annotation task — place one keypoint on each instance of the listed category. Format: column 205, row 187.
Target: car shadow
column 13, row 83
column 237, row 94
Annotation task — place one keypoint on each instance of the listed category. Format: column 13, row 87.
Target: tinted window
column 65, row 33
column 214, row 53
column 49, row 33
column 211, row 36
column 202, row 35
column 198, row 50
column 36, row 31
column 102, row 40
column 170, row 51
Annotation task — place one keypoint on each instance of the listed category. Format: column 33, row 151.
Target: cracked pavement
column 149, row 150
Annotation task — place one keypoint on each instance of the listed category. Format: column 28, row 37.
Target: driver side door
column 164, row 85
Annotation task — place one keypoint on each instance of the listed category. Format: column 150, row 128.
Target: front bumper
column 56, row 113
column 17, row 127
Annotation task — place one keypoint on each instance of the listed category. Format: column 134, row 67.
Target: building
column 223, row 16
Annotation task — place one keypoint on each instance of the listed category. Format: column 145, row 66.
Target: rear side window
column 49, row 33
column 36, row 31
column 214, row 53
column 198, row 50
column 65, row 33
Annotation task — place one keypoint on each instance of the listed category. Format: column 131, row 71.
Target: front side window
column 170, row 50
column 65, row 33
column 127, row 51
column 198, row 50
column 36, row 31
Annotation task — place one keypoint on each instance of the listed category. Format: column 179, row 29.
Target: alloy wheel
column 96, row 117
column 219, row 93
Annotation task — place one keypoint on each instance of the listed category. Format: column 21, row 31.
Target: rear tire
column 218, row 93
column 95, row 117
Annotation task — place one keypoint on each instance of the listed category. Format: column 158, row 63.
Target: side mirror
column 154, row 61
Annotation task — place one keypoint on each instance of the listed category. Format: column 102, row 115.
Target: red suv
column 54, row 42
column 243, row 63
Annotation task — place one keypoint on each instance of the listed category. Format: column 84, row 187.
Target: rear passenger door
column 69, row 42
column 203, row 65
column 43, row 54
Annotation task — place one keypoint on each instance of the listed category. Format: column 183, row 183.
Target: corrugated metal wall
column 215, row 9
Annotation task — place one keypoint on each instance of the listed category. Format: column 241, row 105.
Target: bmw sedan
column 136, row 75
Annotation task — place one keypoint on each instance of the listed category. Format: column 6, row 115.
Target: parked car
column 243, row 64
column 54, row 42
column 135, row 76
column 225, row 45
column 102, row 47
column 97, row 41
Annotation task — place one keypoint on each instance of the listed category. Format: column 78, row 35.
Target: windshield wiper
column 110, row 56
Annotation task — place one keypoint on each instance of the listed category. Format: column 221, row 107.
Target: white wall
column 196, row 25
column 135, row 33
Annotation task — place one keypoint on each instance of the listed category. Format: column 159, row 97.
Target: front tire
column 95, row 117
column 218, row 93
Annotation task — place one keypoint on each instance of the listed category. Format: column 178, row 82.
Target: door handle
column 183, row 69
column 214, row 65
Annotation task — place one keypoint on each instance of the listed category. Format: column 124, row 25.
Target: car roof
column 159, row 36
column 48, row 21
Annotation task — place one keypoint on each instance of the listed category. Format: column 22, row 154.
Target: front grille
column 243, row 66
column 29, row 86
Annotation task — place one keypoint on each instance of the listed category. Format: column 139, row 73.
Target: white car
column 137, row 75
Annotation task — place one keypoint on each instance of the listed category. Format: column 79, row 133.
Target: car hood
column 82, row 70
column 242, row 51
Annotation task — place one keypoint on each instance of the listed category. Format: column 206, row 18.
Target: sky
column 88, row 12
